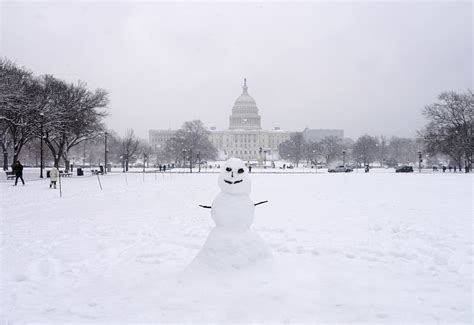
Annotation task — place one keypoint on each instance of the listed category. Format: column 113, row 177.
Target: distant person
column 366, row 168
column 444, row 169
column 250, row 168
column 53, row 176
column 450, row 168
column 18, row 170
column 160, row 168
column 164, row 168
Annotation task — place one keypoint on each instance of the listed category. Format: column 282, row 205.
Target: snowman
column 232, row 245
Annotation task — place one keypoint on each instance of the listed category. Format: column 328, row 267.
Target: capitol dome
column 245, row 112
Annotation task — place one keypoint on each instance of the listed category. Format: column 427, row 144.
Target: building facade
column 158, row 138
column 315, row 135
column 244, row 137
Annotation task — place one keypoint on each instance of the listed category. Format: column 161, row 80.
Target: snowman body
column 232, row 211
column 232, row 245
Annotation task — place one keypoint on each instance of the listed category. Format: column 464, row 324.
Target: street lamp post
column 312, row 161
column 199, row 160
column 344, row 158
column 420, row 160
column 105, row 151
column 41, row 145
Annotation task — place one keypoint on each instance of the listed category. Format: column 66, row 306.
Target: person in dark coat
column 18, row 170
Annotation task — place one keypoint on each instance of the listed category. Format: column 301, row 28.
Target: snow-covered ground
column 349, row 248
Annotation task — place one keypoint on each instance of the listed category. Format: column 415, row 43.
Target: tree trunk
column 5, row 159
column 56, row 161
column 15, row 158
column 191, row 161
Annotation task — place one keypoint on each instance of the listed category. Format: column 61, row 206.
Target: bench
column 64, row 174
column 10, row 175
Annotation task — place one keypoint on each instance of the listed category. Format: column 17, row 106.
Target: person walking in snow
column 53, row 175
column 18, row 170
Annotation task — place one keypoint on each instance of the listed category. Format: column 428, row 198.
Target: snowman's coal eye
column 228, row 169
column 240, row 171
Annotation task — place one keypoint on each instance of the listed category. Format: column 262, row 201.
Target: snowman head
column 234, row 178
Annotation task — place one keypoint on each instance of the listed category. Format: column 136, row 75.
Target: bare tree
column 331, row 148
column 71, row 116
column 146, row 151
column 193, row 140
column 401, row 151
column 450, row 127
column 61, row 114
column 365, row 149
column 130, row 147
column 293, row 149
column 5, row 140
column 173, row 150
column 382, row 150
column 18, row 89
column 313, row 152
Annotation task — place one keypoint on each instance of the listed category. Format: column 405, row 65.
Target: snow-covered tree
column 18, row 90
column 293, row 149
column 450, row 128
column 365, row 149
column 130, row 148
column 331, row 148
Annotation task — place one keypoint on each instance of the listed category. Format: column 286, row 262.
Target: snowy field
column 348, row 248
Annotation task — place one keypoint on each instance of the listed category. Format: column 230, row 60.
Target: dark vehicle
column 340, row 169
column 404, row 169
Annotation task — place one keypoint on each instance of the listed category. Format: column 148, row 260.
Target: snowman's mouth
column 236, row 182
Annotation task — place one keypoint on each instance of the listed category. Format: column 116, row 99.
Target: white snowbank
column 352, row 248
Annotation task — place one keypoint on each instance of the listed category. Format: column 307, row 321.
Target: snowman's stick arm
column 205, row 206
column 260, row 203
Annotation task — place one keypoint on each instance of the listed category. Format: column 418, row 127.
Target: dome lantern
column 245, row 112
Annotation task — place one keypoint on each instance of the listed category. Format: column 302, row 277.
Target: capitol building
column 244, row 138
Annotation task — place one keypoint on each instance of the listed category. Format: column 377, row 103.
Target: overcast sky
column 365, row 67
